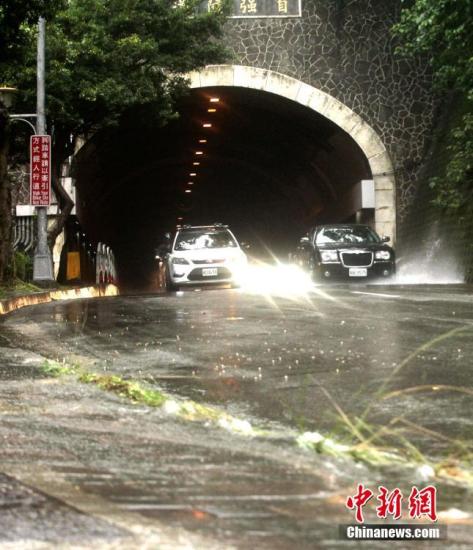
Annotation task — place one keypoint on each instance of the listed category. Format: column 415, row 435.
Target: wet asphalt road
column 282, row 362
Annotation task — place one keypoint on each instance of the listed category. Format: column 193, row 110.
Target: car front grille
column 357, row 259
column 222, row 273
column 208, row 262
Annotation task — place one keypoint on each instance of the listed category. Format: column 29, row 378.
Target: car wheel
column 312, row 267
column 170, row 286
column 317, row 275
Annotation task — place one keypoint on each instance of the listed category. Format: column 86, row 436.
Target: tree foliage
column 442, row 30
column 16, row 16
column 107, row 58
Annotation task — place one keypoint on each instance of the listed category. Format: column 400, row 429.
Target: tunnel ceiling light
column 214, row 99
column 192, row 174
column 196, row 163
column 207, row 125
column 199, row 152
column 180, row 219
column 202, row 141
column 190, row 183
column 188, row 190
column 211, row 110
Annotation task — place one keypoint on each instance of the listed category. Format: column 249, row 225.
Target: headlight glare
column 329, row 256
column 240, row 259
column 382, row 255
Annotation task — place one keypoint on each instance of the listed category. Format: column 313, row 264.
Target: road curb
column 11, row 304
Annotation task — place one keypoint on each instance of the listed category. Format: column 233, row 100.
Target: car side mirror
column 386, row 239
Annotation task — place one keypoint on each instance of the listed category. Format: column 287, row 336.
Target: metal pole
column 42, row 263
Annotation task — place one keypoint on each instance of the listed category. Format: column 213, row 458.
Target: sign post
column 42, row 261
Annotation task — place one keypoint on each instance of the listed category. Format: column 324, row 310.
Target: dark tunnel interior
column 267, row 166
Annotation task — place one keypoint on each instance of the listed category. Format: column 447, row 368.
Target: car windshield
column 199, row 240
column 347, row 235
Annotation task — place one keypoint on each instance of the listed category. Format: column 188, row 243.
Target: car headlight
column 179, row 261
column 382, row 255
column 329, row 256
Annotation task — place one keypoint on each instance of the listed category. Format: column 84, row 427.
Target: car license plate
column 358, row 272
column 209, row 271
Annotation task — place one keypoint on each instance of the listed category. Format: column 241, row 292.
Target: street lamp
column 7, row 96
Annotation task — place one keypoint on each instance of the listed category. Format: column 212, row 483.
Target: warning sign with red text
column 40, row 170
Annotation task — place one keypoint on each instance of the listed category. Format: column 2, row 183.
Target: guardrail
column 105, row 266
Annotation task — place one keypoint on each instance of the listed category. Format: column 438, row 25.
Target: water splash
column 434, row 265
column 433, row 261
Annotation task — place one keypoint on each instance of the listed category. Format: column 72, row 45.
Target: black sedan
column 351, row 251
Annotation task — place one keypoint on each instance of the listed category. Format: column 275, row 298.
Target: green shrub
column 23, row 266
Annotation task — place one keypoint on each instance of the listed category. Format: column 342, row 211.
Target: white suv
column 202, row 255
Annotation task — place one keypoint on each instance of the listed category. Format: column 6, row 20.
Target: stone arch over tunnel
column 324, row 104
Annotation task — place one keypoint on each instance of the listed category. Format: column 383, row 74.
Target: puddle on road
column 232, row 493
column 271, row 362
column 350, row 352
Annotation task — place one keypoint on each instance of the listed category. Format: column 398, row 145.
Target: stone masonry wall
column 345, row 48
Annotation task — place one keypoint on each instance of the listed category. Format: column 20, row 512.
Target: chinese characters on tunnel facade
column 40, row 170
column 256, row 8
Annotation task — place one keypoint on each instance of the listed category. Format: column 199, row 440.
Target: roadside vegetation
column 443, row 33
column 17, row 287
column 18, row 281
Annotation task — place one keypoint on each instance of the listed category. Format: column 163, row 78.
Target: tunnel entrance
column 266, row 165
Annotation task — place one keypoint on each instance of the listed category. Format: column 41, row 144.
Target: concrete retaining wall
column 17, row 302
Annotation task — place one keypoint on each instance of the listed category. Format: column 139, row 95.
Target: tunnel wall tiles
column 345, row 48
